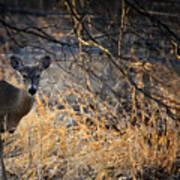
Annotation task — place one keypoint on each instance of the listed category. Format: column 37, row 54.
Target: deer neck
column 25, row 102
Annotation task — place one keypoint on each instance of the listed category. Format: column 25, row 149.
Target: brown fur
column 14, row 104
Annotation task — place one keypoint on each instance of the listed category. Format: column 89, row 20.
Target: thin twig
column 3, row 169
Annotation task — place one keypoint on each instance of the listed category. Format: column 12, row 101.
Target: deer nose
column 32, row 90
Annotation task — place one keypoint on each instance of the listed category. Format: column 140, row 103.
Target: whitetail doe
column 16, row 102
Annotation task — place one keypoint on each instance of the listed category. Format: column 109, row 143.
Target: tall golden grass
column 48, row 145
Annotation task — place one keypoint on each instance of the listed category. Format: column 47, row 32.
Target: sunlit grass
column 47, row 144
column 47, row 147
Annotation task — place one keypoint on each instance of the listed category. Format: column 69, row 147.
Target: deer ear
column 16, row 63
column 44, row 63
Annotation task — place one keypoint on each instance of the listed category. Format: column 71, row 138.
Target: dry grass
column 47, row 145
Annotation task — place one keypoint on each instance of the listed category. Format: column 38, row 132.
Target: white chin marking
column 30, row 95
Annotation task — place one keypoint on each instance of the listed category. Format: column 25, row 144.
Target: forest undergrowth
column 91, row 140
